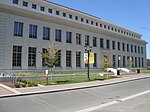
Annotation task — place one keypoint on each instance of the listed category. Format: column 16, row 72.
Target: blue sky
column 130, row 14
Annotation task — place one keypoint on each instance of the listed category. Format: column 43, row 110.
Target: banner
column 85, row 58
column 91, row 61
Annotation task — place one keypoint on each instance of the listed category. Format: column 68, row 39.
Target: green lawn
column 73, row 80
column 60, row 73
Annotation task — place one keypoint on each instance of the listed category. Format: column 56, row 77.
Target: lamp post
column 88, row 50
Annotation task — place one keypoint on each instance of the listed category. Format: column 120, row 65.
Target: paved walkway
column 6, row 91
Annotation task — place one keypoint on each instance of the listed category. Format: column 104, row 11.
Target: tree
column 129, row 63
column 106, row 63
column 148, row 62
column 50, row 57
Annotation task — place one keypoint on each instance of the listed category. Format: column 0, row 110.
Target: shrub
column 17, row 85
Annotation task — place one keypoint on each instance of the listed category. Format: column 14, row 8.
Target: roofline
column 62, row 6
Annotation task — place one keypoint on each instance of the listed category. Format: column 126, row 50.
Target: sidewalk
column 58, row 88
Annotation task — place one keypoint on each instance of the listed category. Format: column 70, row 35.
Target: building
column 29, row 26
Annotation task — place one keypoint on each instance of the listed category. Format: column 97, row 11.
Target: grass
column 60, row 73
column 142, row 70
column 73, row 80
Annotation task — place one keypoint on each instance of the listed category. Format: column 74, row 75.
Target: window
column 78, row 38
column 68, row 37
column 101, row 25
column 15, row 1
column 33, row 6
column 87, row 21
column 135, row 49
column 135, row 61
column 114, row 60
column 139, row 62
column 96, row 24
column 50, row 10
column 94, row 41
column 43, row 60
column 78, row 59
column 124, row 61
column 16, row 60
column 112, row 28
column 142, row 50
column 18, row 29
column 42, row 8
column 33, row 31
column 142, row 62
column 82, row 20
column 46, row 33
column 113, row 45
column 118, row 45
column 108, row 27
column 68, row 58
column 87, row 42
column 105, row 26
column 76, row 17
column 91, row 22
column 64, row 14
column 58, row 64
column 25, row 4
column 70, row 16
column 57, row 12
column 123, row 47
column 95, row 60
column 131, row 48
column 101, row 43
column 58, row 35
column 32, row 57
column 127, row 47
column 138, row 49
column 107, row 44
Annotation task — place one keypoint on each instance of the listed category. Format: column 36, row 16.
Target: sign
column 91, row 59
column 86, row 58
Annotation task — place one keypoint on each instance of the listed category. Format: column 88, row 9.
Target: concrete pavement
column 11, row 92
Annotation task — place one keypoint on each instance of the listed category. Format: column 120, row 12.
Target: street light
column 88, row 50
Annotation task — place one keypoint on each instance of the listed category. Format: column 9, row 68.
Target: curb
column 71, row 89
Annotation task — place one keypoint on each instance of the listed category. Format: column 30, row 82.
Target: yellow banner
column 91, row 59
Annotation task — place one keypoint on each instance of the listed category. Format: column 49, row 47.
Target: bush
column 17, row 85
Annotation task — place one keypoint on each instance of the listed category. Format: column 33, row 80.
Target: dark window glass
column 82, row 19
column 138, row 49
column 113, row 45
column 101, row 43
column 104, row 26
column 131, row 48
column 95, row 60
column 76, row 17
column 58, row 35
column 91, row 22
column 124, row 61
column 33, row 31
column 142, row 62
column 135, row 50
column 68, row 37
column 34, row 6
column 32, row 57
column 42, row 8
column 87, row 21
column 46, row 33
column 57, row 12
column 78, row 38
column 43, row 59
column 96, row 24
column 127, row 47
column 17, row 56
column 64, row 14
column 123, row 46
column 112, row 28
column 68, row 58
column 118, row 45
column 25, row 4
column 70, row 16
column 107, row 44
column 101, row 25
column 87, row 42
column 94, row 41
column 58, row 64
column 50, row 10
column 139, row 62
column 114, row 60
column 18, row 29
column 135, row 61
column 78, row 59
column 142, row 50
column 15, row 1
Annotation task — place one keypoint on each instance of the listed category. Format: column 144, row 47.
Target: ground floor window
column 58, row 63
column 32, row 57
column 114, row 60
column 95, row 60
column 78, row 59
column 68, row 58
column 16, row 59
